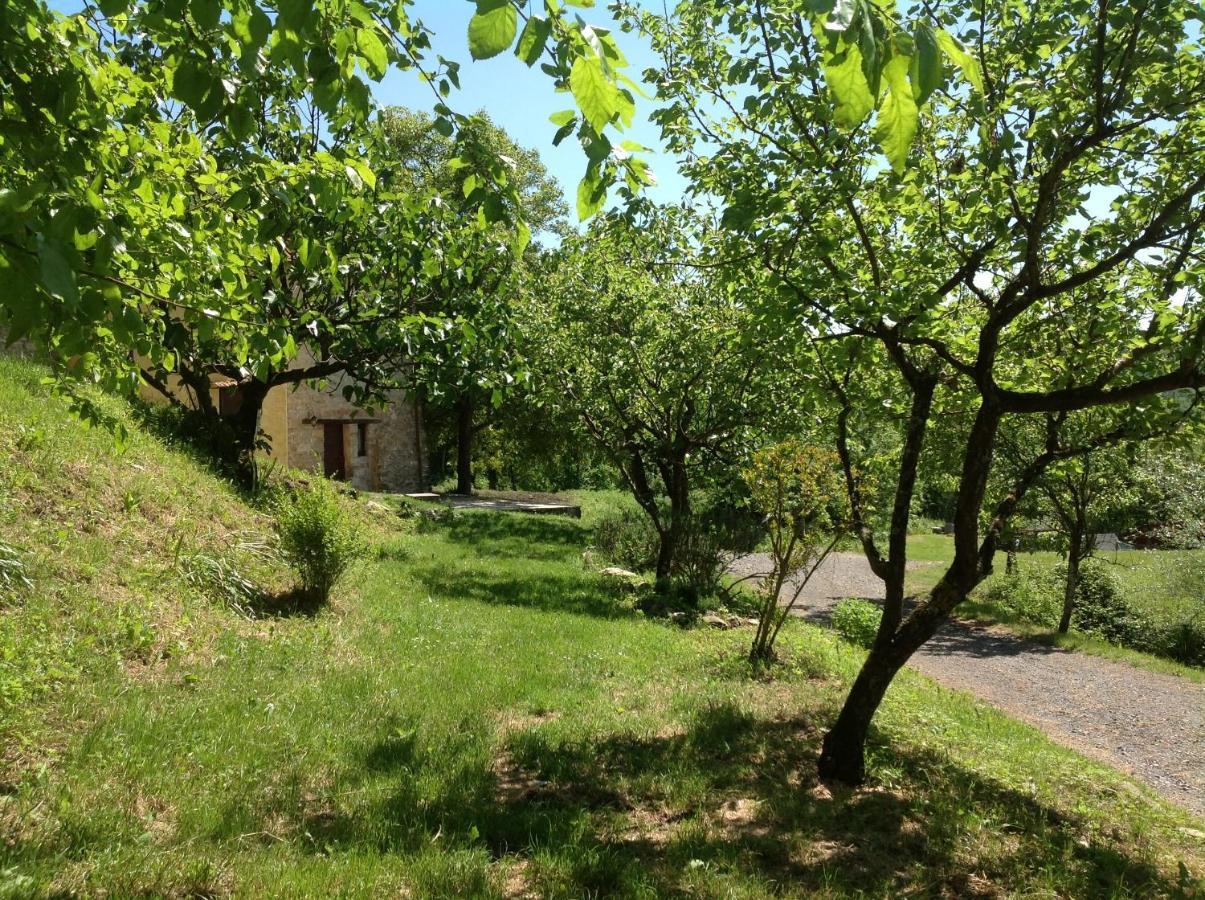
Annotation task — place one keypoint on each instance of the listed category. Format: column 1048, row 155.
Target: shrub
column 857, row 621
column 317, row 539
column 1031, row 596
column 627, row 538
column 1100, row 608
column 801, row 492
column 719, row 531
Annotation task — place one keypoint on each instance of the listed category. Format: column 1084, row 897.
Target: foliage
column 1109, row 608
column 627, row 538
column 167, row 170
column 1032, row 595
column 669, row 373
column 1168, row 497
column 857, row 621
column 973, row 291
column 800, row 491
column 1100, row 607
column 721, row 527
column 317, row 538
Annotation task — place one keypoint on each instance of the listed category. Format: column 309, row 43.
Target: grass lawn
column 1166, row 583
column 476, row 715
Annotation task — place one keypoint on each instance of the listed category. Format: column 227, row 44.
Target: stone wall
column 292, row 416
column 393, row 461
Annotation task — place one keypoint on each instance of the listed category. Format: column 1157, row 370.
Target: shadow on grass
column 530, row 588
column 731, row 798
column 288, row 604
column 513, row 535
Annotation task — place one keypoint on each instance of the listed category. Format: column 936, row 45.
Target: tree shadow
column 533, row 589
column 513, row 535
column 734, row 795
column 291, row 603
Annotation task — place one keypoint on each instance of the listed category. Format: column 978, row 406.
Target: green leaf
column 962, row 59
column 596, row 96
column 841, row 16
column 868, row 45
column 57, row 275
column 926, row 74
column 191, row 82
column 373, row 51
column 848, row 84
column 591, row 194
column 492, row 28
column 896, row 125
column 205, row 12
column 531, row 41
column 521, row 240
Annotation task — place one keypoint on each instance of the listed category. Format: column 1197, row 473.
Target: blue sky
column 521, row 99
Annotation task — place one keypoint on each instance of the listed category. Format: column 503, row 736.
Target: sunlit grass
column 479, row 714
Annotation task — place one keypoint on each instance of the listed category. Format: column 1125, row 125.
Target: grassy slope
column 478, row 715
column 1152, row 580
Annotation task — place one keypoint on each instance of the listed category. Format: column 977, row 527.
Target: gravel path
column 1149, row 725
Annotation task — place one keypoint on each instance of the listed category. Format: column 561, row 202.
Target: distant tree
column 469, row 362
column 665, row 368
column 1079, row 492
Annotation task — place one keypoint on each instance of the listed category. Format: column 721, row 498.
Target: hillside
column 476, row 715
column 99, row 528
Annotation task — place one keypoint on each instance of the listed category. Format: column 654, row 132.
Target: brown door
column 332, row 450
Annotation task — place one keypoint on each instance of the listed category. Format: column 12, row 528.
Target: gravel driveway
column 1149, row 725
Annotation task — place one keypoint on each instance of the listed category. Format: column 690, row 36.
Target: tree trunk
column 1075, row 553
column 842, row 756
column 679, row 512
column 245, row 424
column 464, row 446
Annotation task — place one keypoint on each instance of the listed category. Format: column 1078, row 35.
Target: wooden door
column 333, row 463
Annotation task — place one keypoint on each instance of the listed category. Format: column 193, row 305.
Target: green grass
column 478, row 715
column 1163, row 582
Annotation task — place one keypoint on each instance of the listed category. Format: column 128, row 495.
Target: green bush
column 1100, row 608
column 857, row 621
column 718, row 531
column 1031, row 596
column 317, row 539
column 627, row 538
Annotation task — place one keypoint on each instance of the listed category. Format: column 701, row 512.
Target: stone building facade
column 316, row 430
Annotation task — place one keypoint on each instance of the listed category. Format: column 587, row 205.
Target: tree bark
column 678, row 485
column 1075, row 554
column 843, row 753
column 245, row 423
column 464, row 446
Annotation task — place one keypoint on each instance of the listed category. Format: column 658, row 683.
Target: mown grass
column 1165, row 583
column 479, row 715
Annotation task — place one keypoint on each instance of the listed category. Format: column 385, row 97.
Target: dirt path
column 1149, row 725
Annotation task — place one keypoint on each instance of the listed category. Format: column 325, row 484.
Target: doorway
column 333, row 463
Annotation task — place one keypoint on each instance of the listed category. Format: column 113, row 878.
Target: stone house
column 316, row 430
